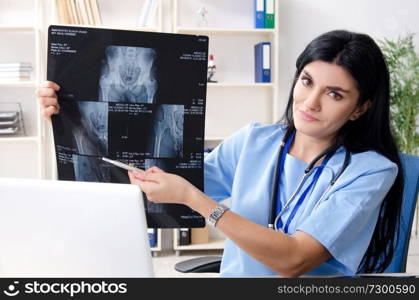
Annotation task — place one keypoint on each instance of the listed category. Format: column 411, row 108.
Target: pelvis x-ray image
column 166, row 136
column 90, row 169
column 128, row 74
column 91, row 134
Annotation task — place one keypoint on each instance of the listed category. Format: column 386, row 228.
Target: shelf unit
column 21, row 29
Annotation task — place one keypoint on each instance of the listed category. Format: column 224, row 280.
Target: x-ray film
column 136, row 97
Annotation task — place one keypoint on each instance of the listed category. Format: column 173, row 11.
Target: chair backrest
column 410, row 166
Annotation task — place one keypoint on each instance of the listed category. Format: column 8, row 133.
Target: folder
column 259, row 13
column 152, row 236
column 263, row 62
column 269, row 13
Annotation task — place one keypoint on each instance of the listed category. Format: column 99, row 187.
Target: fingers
column 132, row 179
column 46, row 92
column 47, row 101
column 147, row 176
column 49, row 111
column 155, row 169
column 47, row 97
column 146, row 186
column 50, row 84
column 135, row 175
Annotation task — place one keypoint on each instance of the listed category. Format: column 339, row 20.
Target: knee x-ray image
column 166, row 138
column 128, row 75
column 91, row 136
column 90, row 169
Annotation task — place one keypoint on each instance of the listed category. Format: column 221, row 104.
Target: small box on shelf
column 200, row 235
column 184, row 236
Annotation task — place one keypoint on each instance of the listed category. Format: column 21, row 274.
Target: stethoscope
column 275, row 211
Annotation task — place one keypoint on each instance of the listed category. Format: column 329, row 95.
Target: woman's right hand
column 47, row 97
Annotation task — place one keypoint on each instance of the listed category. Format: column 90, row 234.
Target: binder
column 269, row 13
column 263, row 62
column 259, row 7
column 152, row 236
column 184, row 236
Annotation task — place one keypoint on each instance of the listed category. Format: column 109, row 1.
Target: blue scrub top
column 242, row 168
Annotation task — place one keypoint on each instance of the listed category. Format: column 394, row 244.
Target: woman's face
column 325, row 98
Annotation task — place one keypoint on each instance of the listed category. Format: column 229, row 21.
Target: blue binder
column 152, row 236
column 263, row 62
column 259, row 7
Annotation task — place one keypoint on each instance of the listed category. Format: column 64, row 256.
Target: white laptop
column 72, row 229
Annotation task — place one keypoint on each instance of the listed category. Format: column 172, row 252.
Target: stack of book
column 79, row 12
column 15, row 71
column 264, row 13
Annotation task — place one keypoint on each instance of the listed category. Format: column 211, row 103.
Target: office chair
column 410, row 166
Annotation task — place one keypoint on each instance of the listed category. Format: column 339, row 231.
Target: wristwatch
column 217, row 213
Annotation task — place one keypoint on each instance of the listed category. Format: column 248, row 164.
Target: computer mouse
column 204, row 264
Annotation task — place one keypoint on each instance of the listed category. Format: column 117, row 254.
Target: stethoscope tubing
column 273, row 219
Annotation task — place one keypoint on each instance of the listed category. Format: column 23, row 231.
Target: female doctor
column 318, row 194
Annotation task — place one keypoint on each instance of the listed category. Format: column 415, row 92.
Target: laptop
column 54, row 228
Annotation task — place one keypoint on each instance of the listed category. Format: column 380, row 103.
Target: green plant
column 403, row 65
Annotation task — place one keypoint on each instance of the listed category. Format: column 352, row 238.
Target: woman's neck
column 306, row 148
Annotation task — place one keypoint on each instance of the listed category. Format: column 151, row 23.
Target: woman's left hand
column 163, row 187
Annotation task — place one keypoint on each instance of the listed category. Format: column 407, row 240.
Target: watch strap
column 217, row 213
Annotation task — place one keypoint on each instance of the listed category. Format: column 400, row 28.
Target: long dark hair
column 359, row 55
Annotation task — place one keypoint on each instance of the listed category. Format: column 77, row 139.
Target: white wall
column 300, row 21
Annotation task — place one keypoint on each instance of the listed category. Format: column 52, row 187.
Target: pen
column 121, row 165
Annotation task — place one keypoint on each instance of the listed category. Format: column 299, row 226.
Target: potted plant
column 403, row 65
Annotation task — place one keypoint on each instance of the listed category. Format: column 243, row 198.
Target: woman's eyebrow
column 335, row 88
column 307, row 74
